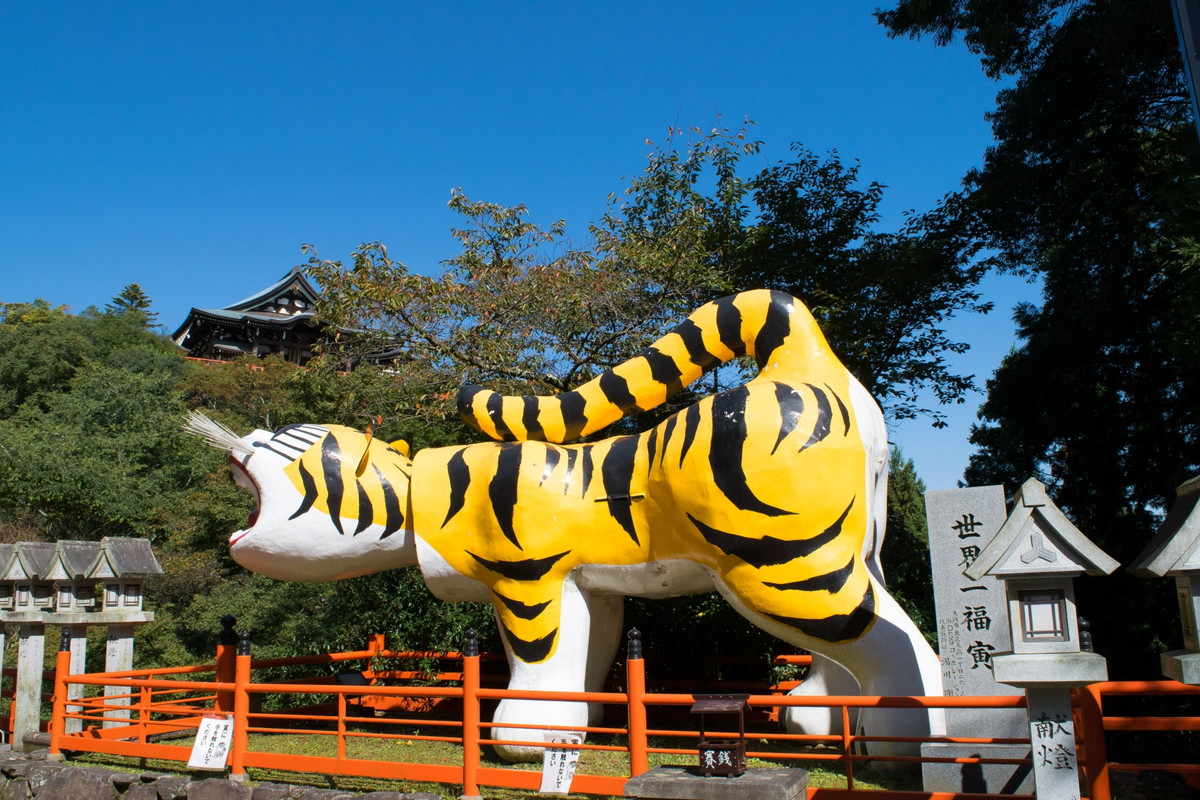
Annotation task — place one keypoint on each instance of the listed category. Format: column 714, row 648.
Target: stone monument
column 972, row 626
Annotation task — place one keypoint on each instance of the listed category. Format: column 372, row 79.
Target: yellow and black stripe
column 325, row 475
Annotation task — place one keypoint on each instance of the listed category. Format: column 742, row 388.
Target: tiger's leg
column 566, row 670
column 607, row 613
column 825, row 678
column 884, row 651
column 893, row 659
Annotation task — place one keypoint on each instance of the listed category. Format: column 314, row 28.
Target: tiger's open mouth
column 243, row 478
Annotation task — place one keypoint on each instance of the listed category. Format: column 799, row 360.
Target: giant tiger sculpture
column 772, row 493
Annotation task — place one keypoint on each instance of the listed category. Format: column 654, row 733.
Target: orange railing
column 153, row 705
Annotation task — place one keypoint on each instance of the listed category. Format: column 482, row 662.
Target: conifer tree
column 132, row 300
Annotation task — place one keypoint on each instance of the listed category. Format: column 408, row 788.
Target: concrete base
column 977, row 778
column 685, row 783
column 1182, row 666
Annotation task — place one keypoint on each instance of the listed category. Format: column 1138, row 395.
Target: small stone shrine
column 56, row 583
column 1174, row 552
column 1037, row 553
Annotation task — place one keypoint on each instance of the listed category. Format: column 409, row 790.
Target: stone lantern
column 35, row 592
column 1037, row 553
column 1175, row 552
column 75, row 587
column 123, row 566
column 48, row 583
column 8, row 555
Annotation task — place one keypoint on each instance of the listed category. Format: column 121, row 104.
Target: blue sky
column 192, row 147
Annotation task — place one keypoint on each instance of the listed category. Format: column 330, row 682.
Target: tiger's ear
column 362, row 462
column 402, row 447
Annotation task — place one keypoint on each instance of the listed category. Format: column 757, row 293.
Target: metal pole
column 1187, row 26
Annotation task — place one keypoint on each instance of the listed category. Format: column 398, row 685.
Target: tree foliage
column 882, row 297
column 1090, row 188
column 905, row 554
column 88, row 432
column 521, row 310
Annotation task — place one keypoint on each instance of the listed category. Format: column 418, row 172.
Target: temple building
column 277, row 320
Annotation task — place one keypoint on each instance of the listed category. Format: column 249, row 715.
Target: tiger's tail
column 773, row 327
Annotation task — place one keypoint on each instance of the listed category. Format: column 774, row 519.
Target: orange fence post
column 143, row 712
column 635, row 679
column 1095, row 752
column 58, row 716
column 226, row 663
column 241, row 710
column 848, row 747
column 470, row 716
column 377, row 642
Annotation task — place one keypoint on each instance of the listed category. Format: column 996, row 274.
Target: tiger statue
column 772, row 493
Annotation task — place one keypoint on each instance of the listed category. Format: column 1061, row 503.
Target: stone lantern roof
column 8, row 555
column 1038, row 539
column 1175, row 548
column 37, row 559
column 76, row 560
column 130, row 558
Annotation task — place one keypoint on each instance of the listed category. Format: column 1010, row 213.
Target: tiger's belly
column 657, row 580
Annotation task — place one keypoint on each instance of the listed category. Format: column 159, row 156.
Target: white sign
column 211, row 749
column 558, row 763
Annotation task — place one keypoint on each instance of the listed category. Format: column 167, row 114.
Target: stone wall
column 23, row 777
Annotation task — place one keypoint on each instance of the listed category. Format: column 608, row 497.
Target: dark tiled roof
column 295, row 277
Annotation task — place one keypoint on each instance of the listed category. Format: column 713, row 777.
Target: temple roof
column 285, row 304
column 294, row 280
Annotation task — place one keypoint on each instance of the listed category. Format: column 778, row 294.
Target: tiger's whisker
column 218, row 435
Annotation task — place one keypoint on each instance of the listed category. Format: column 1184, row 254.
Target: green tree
column 882, row 298
column 809, row 226
column 1090, row 189
column 905, row 554
column 134, row 302
column 517, row 308
column 89, row 434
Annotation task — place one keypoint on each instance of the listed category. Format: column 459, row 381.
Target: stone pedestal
column 118, row 657
column 27, row 715
column 1050, row 670
column 685, row 783
column 1182, row 666
column 978, row 778
column 78, row 667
